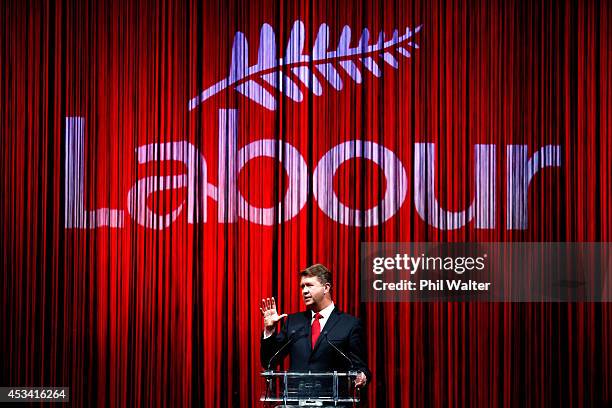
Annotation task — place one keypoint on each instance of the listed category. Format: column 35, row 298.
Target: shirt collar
column 325, row 312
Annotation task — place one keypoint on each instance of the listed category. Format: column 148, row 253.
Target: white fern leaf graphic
column 269, row 69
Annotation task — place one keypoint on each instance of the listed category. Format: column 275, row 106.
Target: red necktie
column 316, row 328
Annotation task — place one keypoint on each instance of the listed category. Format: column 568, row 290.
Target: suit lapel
column 334, row 318
column 307, row 318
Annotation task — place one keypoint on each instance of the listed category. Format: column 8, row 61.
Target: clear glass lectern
column 310, row 389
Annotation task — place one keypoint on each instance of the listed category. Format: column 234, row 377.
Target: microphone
column 292, row 338
column 339, row 351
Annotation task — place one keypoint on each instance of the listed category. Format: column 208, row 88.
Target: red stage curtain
column 127, row 315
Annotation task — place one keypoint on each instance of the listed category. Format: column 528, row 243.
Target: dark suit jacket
column 343, row 330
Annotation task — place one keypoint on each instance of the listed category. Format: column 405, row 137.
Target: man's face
column 313, row 292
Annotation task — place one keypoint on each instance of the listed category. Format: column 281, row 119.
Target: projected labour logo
column 298, row 71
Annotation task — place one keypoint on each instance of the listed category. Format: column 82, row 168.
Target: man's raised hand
column 270, row 315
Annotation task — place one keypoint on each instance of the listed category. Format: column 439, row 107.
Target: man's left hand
column 360, row 380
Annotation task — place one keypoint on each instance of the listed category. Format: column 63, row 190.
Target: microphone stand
column 292, row 338
column 352, row 365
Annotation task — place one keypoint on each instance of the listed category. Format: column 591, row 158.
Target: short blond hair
column 318, row 271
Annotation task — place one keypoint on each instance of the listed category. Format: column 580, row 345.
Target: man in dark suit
column 317, row 338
